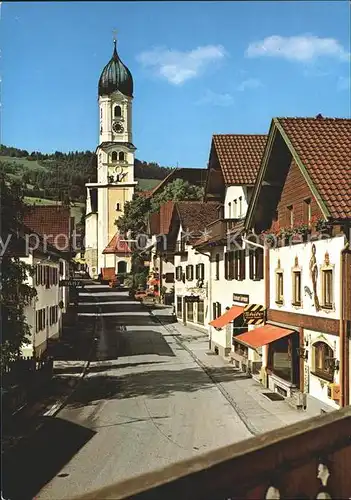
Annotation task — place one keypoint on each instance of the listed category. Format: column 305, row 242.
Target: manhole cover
column 273, row 396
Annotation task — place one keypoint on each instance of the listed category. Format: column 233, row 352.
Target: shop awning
column 262, row 336
column 227, row 317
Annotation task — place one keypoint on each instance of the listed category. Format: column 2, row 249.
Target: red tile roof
column 324, row 147
column 51, row 222
column 239, row 156
column 154, row 223
column 117, row 246
column 195, row 215
column 166, row 212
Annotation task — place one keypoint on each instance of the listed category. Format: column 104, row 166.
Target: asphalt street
column 145, row 403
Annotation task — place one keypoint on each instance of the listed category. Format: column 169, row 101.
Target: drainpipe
column 209, row 291
column 344, row 347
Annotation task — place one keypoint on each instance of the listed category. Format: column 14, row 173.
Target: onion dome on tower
column 116, row 76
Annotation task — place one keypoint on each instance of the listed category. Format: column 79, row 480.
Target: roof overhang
column 263, row 335
column 227, row 317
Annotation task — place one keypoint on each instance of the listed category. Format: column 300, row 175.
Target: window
column 118, row 207
column 200, row 312
column 307, row 211
column 235, row 209
column 291, row 215
column 114, row 156
column 296, row 288
column 117, row 112
column 169, row 278
column 190, row 311
column 179, row 306
column 121, row 156
column 279, row 287
column 240, row 206
column 61, row 268
column 327, row 288
column 217, row 266
column 216, row 310
column 256, row 264
column 179, row 273
column 229, row 210
column 189, row 270
column 323, row 356
column 200, row 272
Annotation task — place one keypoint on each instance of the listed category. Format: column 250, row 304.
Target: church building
column 115, row 185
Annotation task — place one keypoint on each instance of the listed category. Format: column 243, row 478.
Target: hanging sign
column 255, row 314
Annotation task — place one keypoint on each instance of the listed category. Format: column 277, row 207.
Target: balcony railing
column 220, row 228
column 302, row 460
column 180, row 248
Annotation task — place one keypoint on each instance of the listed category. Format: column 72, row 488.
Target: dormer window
column 121, row 156
column 114, row 156
column 117, row 112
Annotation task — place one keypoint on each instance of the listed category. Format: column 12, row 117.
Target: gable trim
column 303, row 169
column 253, row 203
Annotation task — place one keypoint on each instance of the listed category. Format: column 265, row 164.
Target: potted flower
column 324, row 227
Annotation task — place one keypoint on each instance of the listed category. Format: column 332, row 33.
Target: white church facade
column 115, row 185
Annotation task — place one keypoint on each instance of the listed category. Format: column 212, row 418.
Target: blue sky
column 199, row 68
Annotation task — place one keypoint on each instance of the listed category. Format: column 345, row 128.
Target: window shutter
column 242, row 264
column 226, row 265
column 251, row 264
column 197, row 271
column 235, row 264
column 191, row 272
column 187, row 272
column 259, row 264
column 219, row 309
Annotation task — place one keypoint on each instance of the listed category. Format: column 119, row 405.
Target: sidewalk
column 245, row 394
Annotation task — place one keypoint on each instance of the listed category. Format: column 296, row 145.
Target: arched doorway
column 121, row 267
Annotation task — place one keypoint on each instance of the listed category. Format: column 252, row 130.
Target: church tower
column 115, row 170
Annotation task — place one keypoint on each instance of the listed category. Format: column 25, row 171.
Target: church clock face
column 117, row 127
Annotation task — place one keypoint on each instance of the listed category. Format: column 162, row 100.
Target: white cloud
column 216, row 99
column 178, row 67
column 250, row 83
column 344, row 83
column 298, row 48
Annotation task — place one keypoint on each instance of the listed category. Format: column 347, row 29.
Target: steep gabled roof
column 117, row 246
column 321, row 149
column 50, row 221
column 194, row 216
column 323, row 146
column 239, row 156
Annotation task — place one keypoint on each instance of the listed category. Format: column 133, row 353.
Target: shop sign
column 255, row 314
column 70, row 282
column 238, row 297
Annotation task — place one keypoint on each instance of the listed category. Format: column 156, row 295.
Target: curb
column 59, row 405
column 252, row 429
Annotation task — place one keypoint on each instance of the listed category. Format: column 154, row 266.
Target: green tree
column 15, row 294
column 178, row 190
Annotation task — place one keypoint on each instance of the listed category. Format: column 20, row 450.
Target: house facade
column 236, row 269
column 302, row 213
column 192, row 267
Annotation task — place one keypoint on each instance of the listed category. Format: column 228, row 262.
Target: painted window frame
column 324, row 269
column 322, row 352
